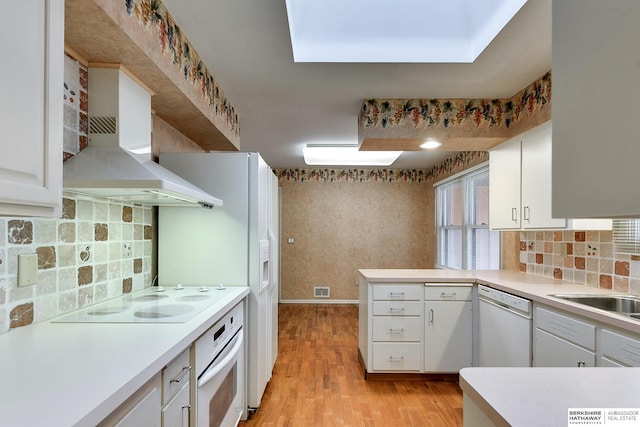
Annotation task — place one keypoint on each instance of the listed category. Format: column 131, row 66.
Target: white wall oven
column 220, row 372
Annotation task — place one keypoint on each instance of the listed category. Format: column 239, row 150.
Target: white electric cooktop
column 157, row 304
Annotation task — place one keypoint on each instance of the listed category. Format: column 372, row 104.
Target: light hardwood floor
column 318, row 380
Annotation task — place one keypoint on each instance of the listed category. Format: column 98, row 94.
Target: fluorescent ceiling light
column 399, row 31
column 347, row 155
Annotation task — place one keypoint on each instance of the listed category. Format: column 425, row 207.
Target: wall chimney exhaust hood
column 119, row 127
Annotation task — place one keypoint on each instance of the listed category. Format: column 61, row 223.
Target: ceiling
column 285, row 105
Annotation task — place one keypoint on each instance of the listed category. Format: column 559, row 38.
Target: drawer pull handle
column 431, row 316
column 396, row 310
column 446, row 295
column 514, row 215
column 527, row 214
column 396, row 331
column 396, row 359
column 188, row 408
column 396, row 294
column 181, row 375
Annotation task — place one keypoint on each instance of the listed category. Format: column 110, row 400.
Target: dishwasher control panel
column 505, row 299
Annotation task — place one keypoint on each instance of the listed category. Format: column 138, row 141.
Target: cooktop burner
column 157, row 304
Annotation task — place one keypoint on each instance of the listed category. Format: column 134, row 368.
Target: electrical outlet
column 27, row 269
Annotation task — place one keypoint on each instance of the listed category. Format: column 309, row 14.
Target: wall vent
column 321, row 292
column 103, row 124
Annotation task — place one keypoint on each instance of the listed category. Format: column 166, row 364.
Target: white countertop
column 535, row 288
column 534, row 397
column 68, row 374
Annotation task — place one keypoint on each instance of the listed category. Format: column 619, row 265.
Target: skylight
column 395, row 31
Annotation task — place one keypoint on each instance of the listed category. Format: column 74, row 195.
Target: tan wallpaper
column 340, row 226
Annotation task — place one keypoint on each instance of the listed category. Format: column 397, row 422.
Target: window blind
column 626, row 236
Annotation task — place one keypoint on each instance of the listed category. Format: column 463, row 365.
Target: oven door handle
column 215, row 369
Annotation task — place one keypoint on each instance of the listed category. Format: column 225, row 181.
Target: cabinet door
column 31, row 109
column 504, row 182
column 536, row 180
column 448, row 334
column 595, row 108
column 551, row 351
column 176, row 412
column 145, row 413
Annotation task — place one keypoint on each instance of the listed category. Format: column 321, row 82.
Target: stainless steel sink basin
column 622, row 304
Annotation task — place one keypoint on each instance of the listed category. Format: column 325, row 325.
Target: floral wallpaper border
column 152, row 15
column 412, row 176
column 452, row 113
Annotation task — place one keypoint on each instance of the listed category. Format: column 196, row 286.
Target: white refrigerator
column 232, row 245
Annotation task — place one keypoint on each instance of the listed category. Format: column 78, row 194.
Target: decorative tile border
column 412, row 176
column 471, row 114
column 153, row 16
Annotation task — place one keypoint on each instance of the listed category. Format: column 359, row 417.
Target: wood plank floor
column 318, row 380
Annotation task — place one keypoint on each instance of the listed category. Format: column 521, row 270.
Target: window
column 462, row 217
column 626, row 236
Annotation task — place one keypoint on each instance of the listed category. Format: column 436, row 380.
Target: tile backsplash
column 97, row 250
column 585, row 257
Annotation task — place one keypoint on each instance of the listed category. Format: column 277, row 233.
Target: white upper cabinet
column 536, row 180
column 504, row 185
column 520, row 185
column 520, row 182
column 31, row 111
column 596, row 113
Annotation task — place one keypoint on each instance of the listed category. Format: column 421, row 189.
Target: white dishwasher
column 504, row 329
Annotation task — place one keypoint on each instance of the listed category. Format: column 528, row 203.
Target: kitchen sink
column 621, row 304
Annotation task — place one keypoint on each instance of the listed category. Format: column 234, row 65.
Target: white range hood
column 120, row 123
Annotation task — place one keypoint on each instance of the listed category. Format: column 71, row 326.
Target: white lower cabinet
column 448, row 329
column 391, row 328
column 551, row 350
column 176, row 413
column 618, row 349
column 562, row 339
column 140, row 409
column 176, row 391
column 416, row 327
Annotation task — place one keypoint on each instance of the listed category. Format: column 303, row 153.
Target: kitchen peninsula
column 505, row 396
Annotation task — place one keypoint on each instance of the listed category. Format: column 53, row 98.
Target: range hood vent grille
column 103, row 125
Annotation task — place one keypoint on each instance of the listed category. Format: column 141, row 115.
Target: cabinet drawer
column 175, row 375
column 397, row 357
column 397, row 292
column 619, row 347
column 397, row 329
column 572, row 330
column 447, row 292
column 397, row 308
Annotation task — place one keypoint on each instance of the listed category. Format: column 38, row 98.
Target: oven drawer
column 397, row 357
column 175, row 375
column 397, row 329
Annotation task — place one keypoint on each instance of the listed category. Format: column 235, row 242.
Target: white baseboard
column 319, row 301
